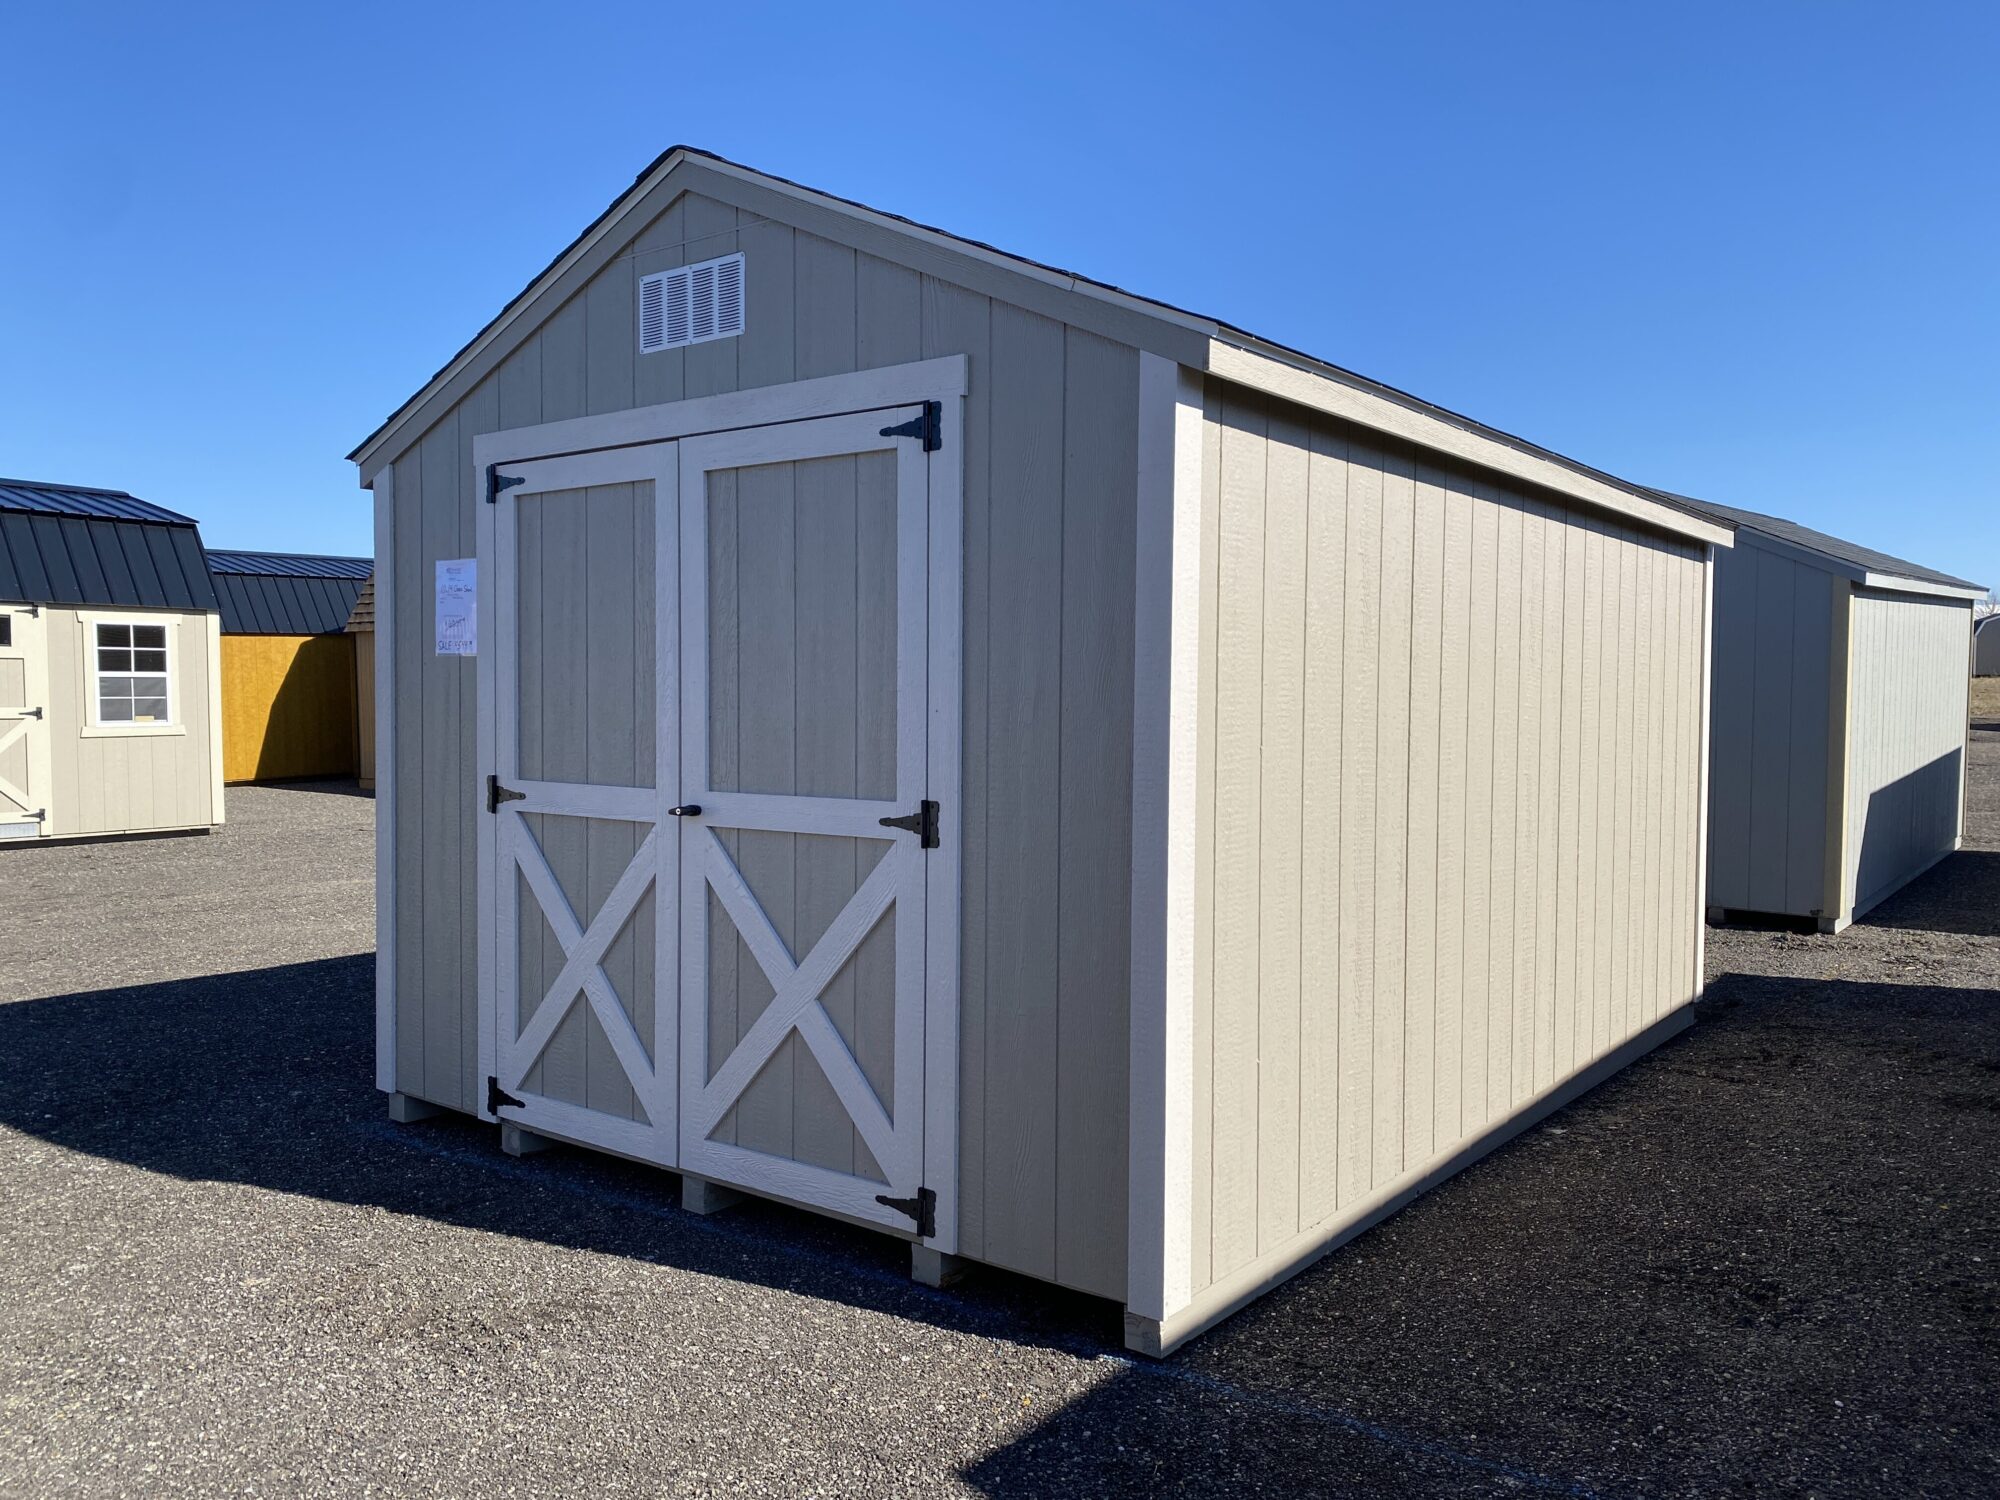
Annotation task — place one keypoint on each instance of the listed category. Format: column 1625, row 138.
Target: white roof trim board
column 1226, row 352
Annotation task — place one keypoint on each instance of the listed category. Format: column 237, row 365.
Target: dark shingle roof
column 362, row 616
column 73, row 545
column 281, row 593
column 1852, row 553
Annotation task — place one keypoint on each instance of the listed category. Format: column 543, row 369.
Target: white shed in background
column 1840, row 714
column 960, row 747
column 1986, row 647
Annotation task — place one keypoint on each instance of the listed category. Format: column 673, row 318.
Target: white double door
column 707, row 690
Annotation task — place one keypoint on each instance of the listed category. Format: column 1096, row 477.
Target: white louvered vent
column 691, row 305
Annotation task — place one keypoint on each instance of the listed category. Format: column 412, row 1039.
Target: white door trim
column 941, row 379
column 503, row 838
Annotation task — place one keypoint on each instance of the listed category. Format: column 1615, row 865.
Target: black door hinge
column 497, row 1096
column 922, row 1208
column 496, row 482
column 497, row 794
column 923, row 823
column 927, row 424
column 31, row 713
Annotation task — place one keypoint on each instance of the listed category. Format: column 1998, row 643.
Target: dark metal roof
column 276, row 593
column 29, row 497
column 289, row 564
column 1851, row 553
column 70, row 545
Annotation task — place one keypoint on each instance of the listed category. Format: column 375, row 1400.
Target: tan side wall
column 130, row 783
column 1449, row 771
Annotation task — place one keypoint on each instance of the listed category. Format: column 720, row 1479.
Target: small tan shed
column 110, row 717
column 884, row 725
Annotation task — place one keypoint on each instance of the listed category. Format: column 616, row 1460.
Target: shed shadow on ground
column 1665, row 1287
column 266, row 1077
column 1669, row 1288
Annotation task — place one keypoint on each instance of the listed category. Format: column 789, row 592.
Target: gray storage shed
column 1986, row 647
column 110, row 722
column 963, row 748
column 1840, row 712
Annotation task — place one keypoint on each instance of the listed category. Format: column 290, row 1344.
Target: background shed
column 1986, row 647
column 361, row 626
column 288, row 668
column 1840, row 711
column 109, row 718
column 1247, row 897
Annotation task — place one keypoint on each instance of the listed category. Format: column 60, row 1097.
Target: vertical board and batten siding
column 1449, row 748
column 1907, row 711
column 1771, row 695
column 136, row 783
column 1050, row 507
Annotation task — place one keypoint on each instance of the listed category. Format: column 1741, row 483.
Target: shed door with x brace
column 24, row 723
column 578, row 1024
column 804, row 570
column 714, row 839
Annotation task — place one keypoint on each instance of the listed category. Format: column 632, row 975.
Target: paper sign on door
column 458, row 607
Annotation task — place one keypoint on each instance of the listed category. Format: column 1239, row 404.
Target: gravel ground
column 1763, row 1260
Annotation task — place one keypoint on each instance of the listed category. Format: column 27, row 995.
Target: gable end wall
column 1050, row 504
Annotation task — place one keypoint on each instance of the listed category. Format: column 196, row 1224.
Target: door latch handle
column 923, row 823
column 685, row 810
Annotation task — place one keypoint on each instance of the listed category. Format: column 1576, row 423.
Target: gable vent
column 691, row 304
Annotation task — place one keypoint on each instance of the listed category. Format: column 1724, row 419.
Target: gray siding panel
column 1439, row 720
column 1773, row 672
column 1050, row 506
column 1907, row 711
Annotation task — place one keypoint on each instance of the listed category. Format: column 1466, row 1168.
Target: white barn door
column 24, row 723
column 810, row 830
column 578, row 760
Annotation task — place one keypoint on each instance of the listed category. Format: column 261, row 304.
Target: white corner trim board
column 213, row 625
column 1166, row 684
column 1305, row 388
column 384, row 641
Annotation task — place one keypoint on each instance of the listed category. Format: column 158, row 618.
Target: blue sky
column 1744, row 251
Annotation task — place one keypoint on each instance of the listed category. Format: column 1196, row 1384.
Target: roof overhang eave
column 1353, row 400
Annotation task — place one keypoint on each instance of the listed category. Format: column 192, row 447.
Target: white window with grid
column 131, row 678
